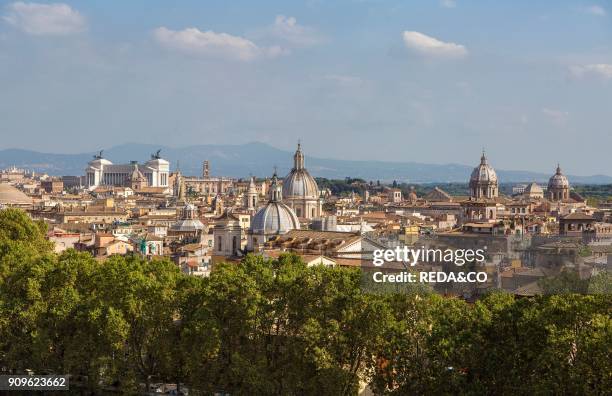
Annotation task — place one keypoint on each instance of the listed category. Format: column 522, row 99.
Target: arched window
column 219, row 243
column 298, row 211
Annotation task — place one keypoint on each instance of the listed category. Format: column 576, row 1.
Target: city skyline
column 415, row 82
column 260, row 159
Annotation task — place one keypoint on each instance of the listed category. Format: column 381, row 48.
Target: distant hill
column 259, row 159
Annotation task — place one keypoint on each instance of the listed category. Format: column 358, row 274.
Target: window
column 219, row 244
column 234, row 244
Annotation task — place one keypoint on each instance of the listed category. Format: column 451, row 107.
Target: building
column 344, row 248
column 251, row 196
column 395, row 195
column 208, row 185
column 102, row 172
column 300, row 190
column 14, row 174
column 11, row 196
column 52, row 186
column 519, row 189
column 272, row 220
column 483, row 181
column 558, row 186
column 533, row 191
column 484, row 192
column 574, row 224
column 227, row 236
column 189, row 227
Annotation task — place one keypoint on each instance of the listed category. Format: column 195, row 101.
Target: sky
column 426, row 81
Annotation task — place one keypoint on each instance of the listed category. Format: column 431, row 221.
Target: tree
column 276, row 326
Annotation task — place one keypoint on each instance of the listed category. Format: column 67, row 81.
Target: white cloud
column 210, row 44
column 599, row 70
column 448, row 3
column 432, row 47
column 595, row 10
column 557, row 116
column 44, row 19
column 289, row 32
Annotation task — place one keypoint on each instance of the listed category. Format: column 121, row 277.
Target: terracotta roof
column 528, row 290
column 577, row 216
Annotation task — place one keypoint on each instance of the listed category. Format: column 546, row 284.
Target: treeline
column 346, row 186
column 276, row 327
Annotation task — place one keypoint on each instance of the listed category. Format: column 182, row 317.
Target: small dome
column 191, row 225
column 274, row 218
column 298, row 183
column 189, row 221
column 9, row 195
column 533, row 188
column 484, row 172
column 558, row 180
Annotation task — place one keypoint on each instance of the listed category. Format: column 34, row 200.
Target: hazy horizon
column 431, row 82
column 289, row 152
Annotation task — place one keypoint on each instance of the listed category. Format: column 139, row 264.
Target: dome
column 558, row 180
column 190, row 225
column 299, row 183
column 189, row 221
column 10, row 195
column 274, row 218
column 533, row 188
column 483, row 173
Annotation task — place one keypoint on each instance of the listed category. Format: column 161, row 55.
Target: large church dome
column 558, row 180
column 483, row 172
column 276, row 217
column 298, row 183
column 483, row 181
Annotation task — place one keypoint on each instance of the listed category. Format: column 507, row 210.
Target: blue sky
column 428, row 81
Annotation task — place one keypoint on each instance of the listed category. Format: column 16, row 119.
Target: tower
column 251, row 195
